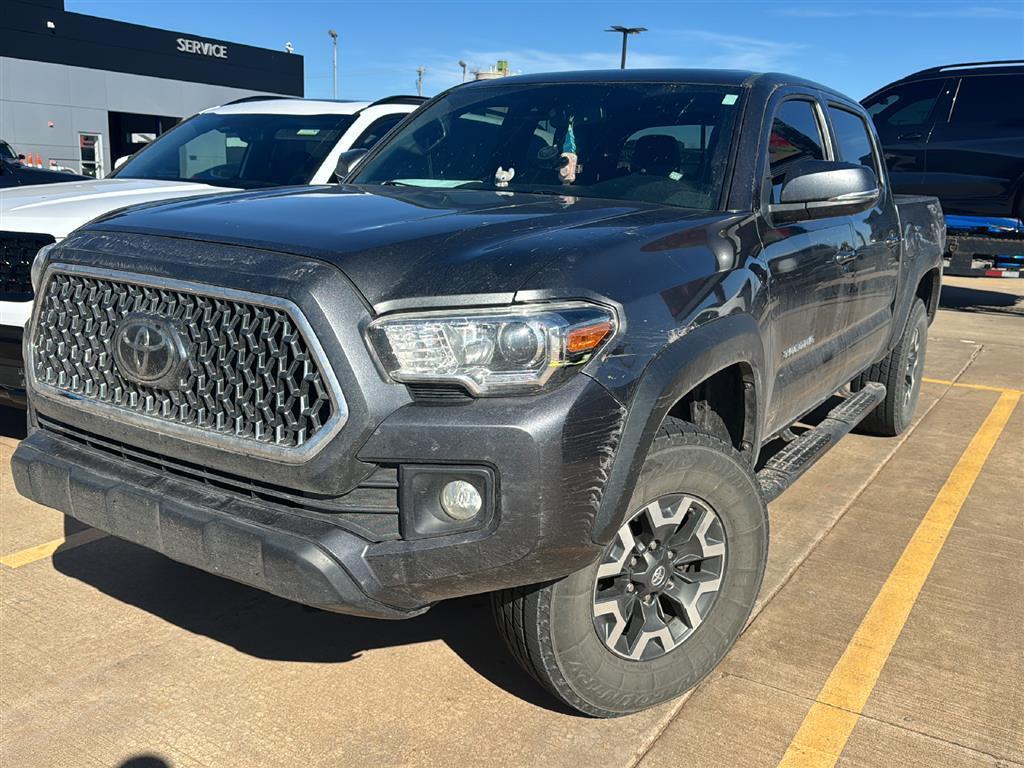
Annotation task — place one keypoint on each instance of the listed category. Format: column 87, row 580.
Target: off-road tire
column 902, row 387
column 549, row 628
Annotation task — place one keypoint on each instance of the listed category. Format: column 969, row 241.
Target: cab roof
column 727, row 77
column 272, row 105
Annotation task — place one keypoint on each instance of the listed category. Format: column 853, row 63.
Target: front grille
column 249, row 374
column 17, row 250
column 369, row 510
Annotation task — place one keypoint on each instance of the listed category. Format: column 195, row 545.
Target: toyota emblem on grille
column 149, row 350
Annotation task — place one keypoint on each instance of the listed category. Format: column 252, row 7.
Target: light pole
column 625, row 32
column 334, row 63
column 419, row 80
column 463, row 65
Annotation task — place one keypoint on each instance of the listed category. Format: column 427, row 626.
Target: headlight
column 490, row 351
column 36, row 273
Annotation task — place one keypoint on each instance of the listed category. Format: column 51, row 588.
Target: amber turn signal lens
column 587, row 338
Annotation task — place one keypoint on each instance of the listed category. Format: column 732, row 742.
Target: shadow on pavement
column 267, row 627
column 13, row 422
column 144, row 761
column 979, row 300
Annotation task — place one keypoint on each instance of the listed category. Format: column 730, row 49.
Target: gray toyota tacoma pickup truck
column 532, row 346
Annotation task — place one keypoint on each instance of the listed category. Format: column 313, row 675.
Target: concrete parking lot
column 888, row 632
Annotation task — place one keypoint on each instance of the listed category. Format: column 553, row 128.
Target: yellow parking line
column 831, row 719
column 984, row 387
column 42, row 551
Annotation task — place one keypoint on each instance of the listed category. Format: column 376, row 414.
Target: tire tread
column 522, row 613
column 884, row 420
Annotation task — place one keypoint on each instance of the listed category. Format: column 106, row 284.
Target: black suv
column 957, row 132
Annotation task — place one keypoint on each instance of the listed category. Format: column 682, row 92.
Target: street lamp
column 334, row 68
column 463, row 65
column 625, row 32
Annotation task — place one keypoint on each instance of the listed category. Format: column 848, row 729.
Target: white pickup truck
column 250, row 144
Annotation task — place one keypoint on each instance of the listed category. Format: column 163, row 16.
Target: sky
column 852, row 46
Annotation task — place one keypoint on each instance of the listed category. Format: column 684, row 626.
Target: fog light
column 461, row 500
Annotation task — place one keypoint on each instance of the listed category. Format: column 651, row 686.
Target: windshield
column 653, row 142
column 244, row 151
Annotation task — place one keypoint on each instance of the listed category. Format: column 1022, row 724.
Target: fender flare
column 676, row 370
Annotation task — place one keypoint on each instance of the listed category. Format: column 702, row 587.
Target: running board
column 785, row 467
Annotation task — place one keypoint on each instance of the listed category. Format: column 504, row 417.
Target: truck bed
column 923, row 227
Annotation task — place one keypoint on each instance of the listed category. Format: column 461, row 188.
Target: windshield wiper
column 396, row 183
column 554, row 192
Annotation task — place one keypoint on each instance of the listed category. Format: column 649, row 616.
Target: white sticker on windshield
column 308, row 131
column 729, row 99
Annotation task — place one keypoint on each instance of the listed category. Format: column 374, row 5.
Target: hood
column 57, row 209
column 399, row 245
column 29, row 175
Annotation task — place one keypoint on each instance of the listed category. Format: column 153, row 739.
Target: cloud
column 954, row 12
column 441, row 73
column 718, row 50
column 702, row 49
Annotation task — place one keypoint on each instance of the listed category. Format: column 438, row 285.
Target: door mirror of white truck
column 121, row 161
column 821, row 188
column 347, row 161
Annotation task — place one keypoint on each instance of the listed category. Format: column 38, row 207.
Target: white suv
column 253, row 143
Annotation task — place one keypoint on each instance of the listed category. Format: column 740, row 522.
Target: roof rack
column 247, row 99
column 966, row 65
column 399, row 100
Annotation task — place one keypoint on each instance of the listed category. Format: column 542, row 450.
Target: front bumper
column 549, row 457
column 12, row 373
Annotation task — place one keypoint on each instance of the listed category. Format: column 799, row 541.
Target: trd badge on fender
column 149, row 350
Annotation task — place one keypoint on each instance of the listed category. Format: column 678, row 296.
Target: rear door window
column 852, row 138
column 995, row 100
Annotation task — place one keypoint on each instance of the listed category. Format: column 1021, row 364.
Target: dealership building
column 82, row 91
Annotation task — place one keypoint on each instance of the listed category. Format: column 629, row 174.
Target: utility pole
column 419, row 80
column 625, row 32
column 334, row 63
column 463, row 65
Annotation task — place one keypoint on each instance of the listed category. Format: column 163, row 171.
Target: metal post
column 419, row 80
column 625, row 32
column 334, row 63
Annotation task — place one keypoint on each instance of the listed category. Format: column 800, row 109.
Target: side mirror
column 347, row 161
column 21, row 157
column 121, row 161
column 818, row 189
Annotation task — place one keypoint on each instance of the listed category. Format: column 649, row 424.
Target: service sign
column 201, row 48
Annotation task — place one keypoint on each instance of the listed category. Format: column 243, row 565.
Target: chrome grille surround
column 256, row 381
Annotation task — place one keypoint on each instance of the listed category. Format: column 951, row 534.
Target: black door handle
column 892, row 240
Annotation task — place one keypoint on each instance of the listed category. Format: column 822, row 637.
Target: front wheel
column 667, row 598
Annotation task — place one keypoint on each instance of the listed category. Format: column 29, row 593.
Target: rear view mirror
column 347, row 161
column 820, row 188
